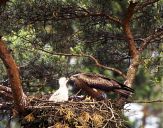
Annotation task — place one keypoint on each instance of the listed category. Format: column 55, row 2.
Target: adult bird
column 61, row 94
column 96, row 84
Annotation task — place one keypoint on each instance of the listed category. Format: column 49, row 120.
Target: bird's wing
column 88, row 82
column 97, row 94
column 101, row 82
column 96, row 81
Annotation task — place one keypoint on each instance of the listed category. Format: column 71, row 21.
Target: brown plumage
column 94, row 84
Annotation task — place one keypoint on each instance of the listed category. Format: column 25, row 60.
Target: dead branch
column 146, row 101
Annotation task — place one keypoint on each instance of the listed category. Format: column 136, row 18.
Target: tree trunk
column 13, row 74
column 134, row 53
column 132, row 70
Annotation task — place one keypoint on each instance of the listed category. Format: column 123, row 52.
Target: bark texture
column 13, row 74
column 134, row 53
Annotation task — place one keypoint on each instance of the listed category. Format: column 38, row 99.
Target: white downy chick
column 61, row 94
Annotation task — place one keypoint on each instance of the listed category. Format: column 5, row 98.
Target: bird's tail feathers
column 123, row 86
column 124, row 93
column 128, row 88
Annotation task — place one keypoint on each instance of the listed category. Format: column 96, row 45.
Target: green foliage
column 35, row 30
column 148, row 80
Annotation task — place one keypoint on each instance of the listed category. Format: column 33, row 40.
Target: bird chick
column 61, row 94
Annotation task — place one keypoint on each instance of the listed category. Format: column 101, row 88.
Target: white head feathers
column 62, row 81
column 61, row 94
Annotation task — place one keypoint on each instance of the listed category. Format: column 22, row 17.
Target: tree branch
column 146, row 101
column 114, row 19
column 6, row 92
column 141, row 5
column 71, row 13
column 6, row 89
column 111, row 18
column 108, row 17
column 6, row 95
column 108, row 68
column 151, row 38
column 90, row 57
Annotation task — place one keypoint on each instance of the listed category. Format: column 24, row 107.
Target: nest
column 73, row 114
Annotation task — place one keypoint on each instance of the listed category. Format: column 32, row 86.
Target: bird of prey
column 96, row 84
column 61, row 94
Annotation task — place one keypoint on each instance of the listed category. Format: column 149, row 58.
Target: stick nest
column 73, row 114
